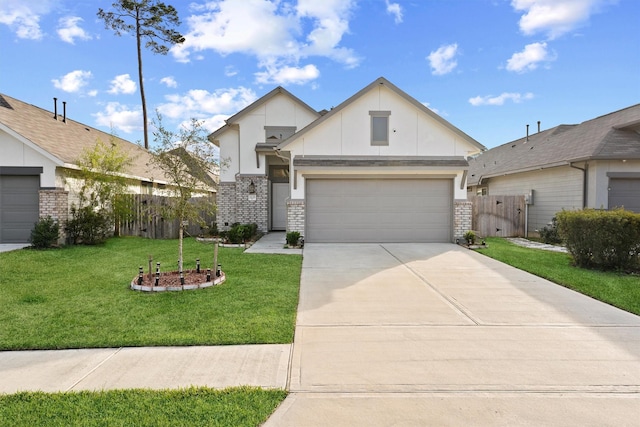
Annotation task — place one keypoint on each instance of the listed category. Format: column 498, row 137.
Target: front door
column 279, row 196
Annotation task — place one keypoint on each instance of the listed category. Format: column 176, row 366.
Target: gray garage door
column 625, row 192
column 18, row 207
column 379, row 210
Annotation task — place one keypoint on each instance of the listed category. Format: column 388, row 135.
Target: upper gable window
column 278, row 133
column 379, row 127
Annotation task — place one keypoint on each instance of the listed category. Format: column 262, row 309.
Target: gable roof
column 398, row 91
column 63, row 141
column 614, row 136
column 233, row 119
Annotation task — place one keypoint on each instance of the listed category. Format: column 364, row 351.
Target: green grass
column 244, row 406
column 79, row 297
column 618, row 289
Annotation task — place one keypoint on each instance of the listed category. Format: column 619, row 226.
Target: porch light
column 252, row 188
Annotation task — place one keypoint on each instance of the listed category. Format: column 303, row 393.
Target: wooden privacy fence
column 502, row 216
column 145, row 219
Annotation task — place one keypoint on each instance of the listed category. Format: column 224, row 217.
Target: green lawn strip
column 618, row 289
column 79, row 297
column 242, row 406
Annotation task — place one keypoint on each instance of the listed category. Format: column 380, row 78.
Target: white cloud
column 72, row 82
column 528, row 60
column 252, row 27
column 230, row 71
column 273, row 32
column 120, row 117
column 500, row 99
column 396, row 10
column 443, row 60
column 288, row 75
column 23, row 17
column 68, row 29
column 122, row 84
column 555, row 17
column 169, row 81
column 200, row 104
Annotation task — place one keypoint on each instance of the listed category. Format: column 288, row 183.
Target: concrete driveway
column 434, row 334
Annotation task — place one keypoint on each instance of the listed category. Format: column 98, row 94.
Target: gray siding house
column 593, row 164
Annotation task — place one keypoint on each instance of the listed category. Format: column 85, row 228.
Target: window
column 379, row 127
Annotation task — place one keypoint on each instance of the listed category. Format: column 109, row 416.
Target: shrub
column 601, row 239
column 87, row 226
column 293, row 237
column 550, row 234
column 45, row 233
column 470, row 237
column 239, row 233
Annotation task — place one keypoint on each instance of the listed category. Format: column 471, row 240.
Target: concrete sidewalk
column 435, row 334
column 272, row 243
column 144, row 367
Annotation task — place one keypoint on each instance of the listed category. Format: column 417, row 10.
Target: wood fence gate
column 502, row 216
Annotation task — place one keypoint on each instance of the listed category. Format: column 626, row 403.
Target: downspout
column 584, row 182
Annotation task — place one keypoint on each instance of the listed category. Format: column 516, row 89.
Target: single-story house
column 38, row 154
column 593, row 164
column 379, row 167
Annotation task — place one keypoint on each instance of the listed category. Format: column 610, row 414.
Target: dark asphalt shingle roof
column 612, row 136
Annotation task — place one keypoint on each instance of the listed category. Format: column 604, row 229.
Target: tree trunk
column 140, row 81
column 180, row 235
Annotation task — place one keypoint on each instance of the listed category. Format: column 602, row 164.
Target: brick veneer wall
column 234, row 204
column 226, row 202
column 55, row 203
column 295, row 216
column 463, row 211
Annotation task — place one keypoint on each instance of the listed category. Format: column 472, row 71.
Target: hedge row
column 601, row 239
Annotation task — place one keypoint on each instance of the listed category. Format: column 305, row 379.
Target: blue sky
column 487, row 66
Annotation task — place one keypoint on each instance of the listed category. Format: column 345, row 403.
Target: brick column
column 462, row 216
column 295, row 216
column 55, row 203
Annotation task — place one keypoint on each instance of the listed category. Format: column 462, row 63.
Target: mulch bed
column 172, row 278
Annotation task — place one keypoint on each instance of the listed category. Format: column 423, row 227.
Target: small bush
column 239, row 233
column 470, row 237
column 293, row 237
column 87, row 226
column 550, row 234
column 608, row 240
column 45, row 233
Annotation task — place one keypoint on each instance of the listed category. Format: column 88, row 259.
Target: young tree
column 151, row 20
column 101, row 194
column 186, row 159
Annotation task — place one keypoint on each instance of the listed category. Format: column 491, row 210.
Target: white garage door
column 379, row 210
column 19, row 204
column 625, row 192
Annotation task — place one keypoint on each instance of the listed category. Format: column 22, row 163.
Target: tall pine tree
column 150, row 20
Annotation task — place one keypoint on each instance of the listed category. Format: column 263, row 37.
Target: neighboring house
column 379, row 167
column 38, row 152
column 593, row 164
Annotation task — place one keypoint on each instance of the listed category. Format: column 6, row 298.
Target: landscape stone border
column 144, row 288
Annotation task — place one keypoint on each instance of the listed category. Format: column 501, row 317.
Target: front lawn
column 79, row 297
column 243, row 406
column 618, row 289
